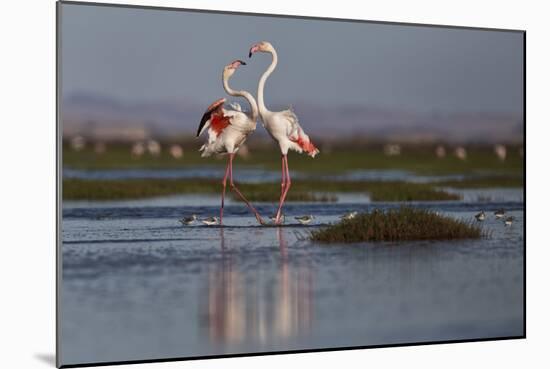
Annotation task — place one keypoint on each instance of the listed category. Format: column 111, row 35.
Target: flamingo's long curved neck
column 261, row 84
column 247, row 95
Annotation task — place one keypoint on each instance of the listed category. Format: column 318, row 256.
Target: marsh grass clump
column 402, row 224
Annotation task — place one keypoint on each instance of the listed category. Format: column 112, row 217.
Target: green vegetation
column 263, row 193
column 403, row 224
column 302, row 190
column 405, row 191
column 485, row 182
column 335, row 158
column 79, row 189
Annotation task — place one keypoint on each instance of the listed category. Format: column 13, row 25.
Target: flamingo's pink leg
column 283, row 178
column 283, row 185
column 224, row 183
column 286, row 188
column 234, row 188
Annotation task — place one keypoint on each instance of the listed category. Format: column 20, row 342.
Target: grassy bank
column 485, row 182
column 267, row 194
column 403, row 224
column 333, row 159
column 302, row 190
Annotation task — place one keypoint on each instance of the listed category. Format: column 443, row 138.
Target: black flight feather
column 215, row 105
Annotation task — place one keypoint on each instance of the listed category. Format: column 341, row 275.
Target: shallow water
column 137, row 285
column 247, row 175
column 257, row 174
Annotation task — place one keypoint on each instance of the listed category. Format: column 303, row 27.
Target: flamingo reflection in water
column 240, row 308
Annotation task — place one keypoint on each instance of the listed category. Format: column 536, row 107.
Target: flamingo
column 228, row 130
column 282, row 126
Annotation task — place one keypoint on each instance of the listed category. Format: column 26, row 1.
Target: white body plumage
column 228, row 128
column 284, row 128
column 228, row 141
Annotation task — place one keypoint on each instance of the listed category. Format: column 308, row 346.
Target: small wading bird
column 348, row 216
column 304, row 219
column 228, row 130
column 282, row 126
column 499, row 213
column 508, row 221
column 480, row 216
column 188, row 220
column 273, row 218
column 211, row 221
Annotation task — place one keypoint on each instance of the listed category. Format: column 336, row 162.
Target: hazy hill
column 109, row 118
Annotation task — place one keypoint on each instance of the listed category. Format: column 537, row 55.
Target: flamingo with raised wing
column 228, row 129
column 283, row 126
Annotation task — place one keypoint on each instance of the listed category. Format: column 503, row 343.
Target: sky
column 157, row 55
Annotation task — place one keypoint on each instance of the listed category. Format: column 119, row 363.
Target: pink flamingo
column 228, row 129
column 283, row 126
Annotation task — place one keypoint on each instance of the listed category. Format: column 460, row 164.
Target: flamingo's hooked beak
column 253, row 49
column 236, row 64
